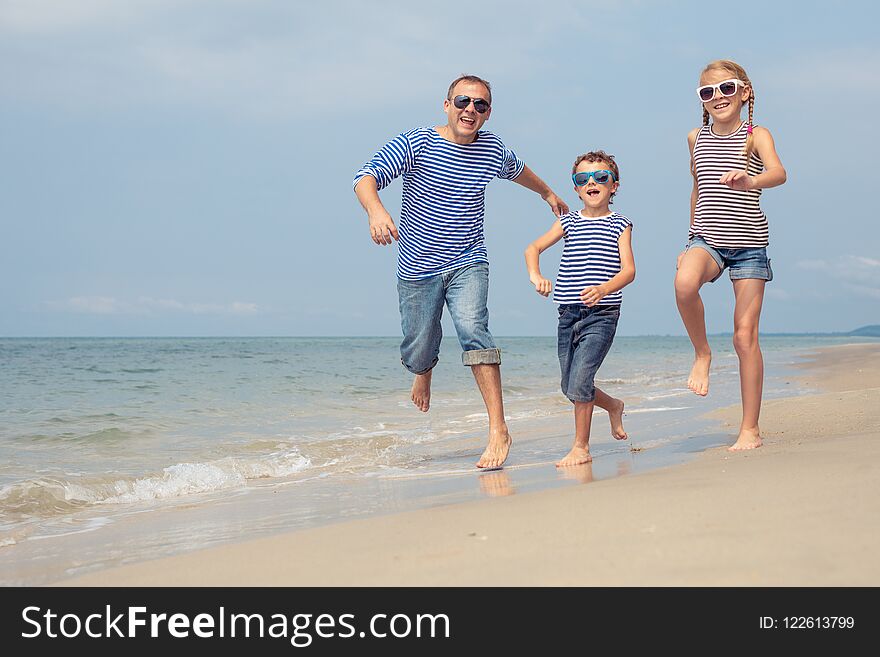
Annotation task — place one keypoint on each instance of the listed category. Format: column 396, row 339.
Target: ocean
column 115, row 450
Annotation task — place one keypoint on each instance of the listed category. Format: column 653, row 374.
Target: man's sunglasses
column 603, row 177
column 726, row 88
column 480, row 104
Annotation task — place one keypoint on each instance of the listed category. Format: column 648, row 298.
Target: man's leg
column 467, row 293
column 488, row 379
column 421, row 307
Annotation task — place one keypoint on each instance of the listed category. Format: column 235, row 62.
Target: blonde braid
column 705, row 116
column 750, row 138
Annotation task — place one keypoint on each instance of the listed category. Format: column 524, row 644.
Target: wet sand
column 799, row 511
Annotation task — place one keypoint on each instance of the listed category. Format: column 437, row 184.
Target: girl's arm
column 692, row 139
column 773, row 174
column 533, row 252
column 627, row 274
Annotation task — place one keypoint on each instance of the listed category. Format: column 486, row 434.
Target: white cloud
column 273, row 59
column 840, row 70
column 150, row 306
column 858, row 274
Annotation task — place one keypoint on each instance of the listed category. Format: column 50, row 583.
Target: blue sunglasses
column 602, row 177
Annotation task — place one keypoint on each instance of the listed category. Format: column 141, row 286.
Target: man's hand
column 593, row 294
column 542, row 285
column 556, row 204
column 382, row 228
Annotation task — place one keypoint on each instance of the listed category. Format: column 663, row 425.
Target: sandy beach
column 800, row 511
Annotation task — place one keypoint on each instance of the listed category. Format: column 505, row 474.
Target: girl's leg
column 614, row 407
column 580, row 451
column 749, row 294
column 697, row 267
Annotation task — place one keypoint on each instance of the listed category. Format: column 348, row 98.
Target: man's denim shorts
column 465, row 292
column 743, row 263
column 584, row 338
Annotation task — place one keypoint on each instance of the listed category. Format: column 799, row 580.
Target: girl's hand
column 542, row 285
column 678, row 262
column 593, row 295
column 738, row 180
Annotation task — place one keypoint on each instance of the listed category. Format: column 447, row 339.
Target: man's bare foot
column 747, row 439
column 615, row 414
column 577, row 456
column 421, row 391
column 497, row 450
column 698, row 381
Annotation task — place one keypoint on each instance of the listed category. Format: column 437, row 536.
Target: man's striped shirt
column 444, row 189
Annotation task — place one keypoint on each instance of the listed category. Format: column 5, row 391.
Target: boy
column 597, row 263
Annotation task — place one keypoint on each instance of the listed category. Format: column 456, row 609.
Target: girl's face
column 722, row 108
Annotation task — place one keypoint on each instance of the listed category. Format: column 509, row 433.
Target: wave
column 47, row 497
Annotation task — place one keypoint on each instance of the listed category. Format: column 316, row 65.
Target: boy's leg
column 591, row 336
column 696, row 268
column 749, row 294
column 467, row 293
column 580, row 451
column 614, row 407
column 421, row 307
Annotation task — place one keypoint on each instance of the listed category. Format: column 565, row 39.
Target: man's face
column 464, row 123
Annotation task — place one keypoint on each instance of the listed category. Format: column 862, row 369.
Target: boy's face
column 595, row 196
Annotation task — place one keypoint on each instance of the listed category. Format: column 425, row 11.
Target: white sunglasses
column 725, row 88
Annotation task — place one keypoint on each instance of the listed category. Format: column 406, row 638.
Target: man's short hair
column 470, row 78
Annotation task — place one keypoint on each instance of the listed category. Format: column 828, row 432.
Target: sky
column 183, row 168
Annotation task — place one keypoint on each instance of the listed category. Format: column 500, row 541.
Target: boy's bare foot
column 421, row 391
column 577, row 456
column 698, row 381
column 497, row 450
column 615, row 414
column 747, row 439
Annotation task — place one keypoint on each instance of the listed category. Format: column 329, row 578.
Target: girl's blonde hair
column 738, row 72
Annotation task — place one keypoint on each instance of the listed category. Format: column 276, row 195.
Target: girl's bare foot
column 577, row 456
column 615, row 414
column 698, row 381
column 421, row 391
column 747, row 439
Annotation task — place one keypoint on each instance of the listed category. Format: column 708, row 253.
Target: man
column 441, row 253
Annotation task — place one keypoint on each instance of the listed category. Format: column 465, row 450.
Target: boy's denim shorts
column 584, row 338
column 743, row 263
column 465, row 291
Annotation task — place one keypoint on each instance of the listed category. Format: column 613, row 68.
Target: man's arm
column 382, row 228
column 529, row 180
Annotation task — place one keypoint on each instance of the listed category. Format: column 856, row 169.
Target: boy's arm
column 533, row 252
column 529, row 180
column 627, row 274
column 382, row 228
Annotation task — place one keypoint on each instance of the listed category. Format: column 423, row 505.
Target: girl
column 731, row 161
